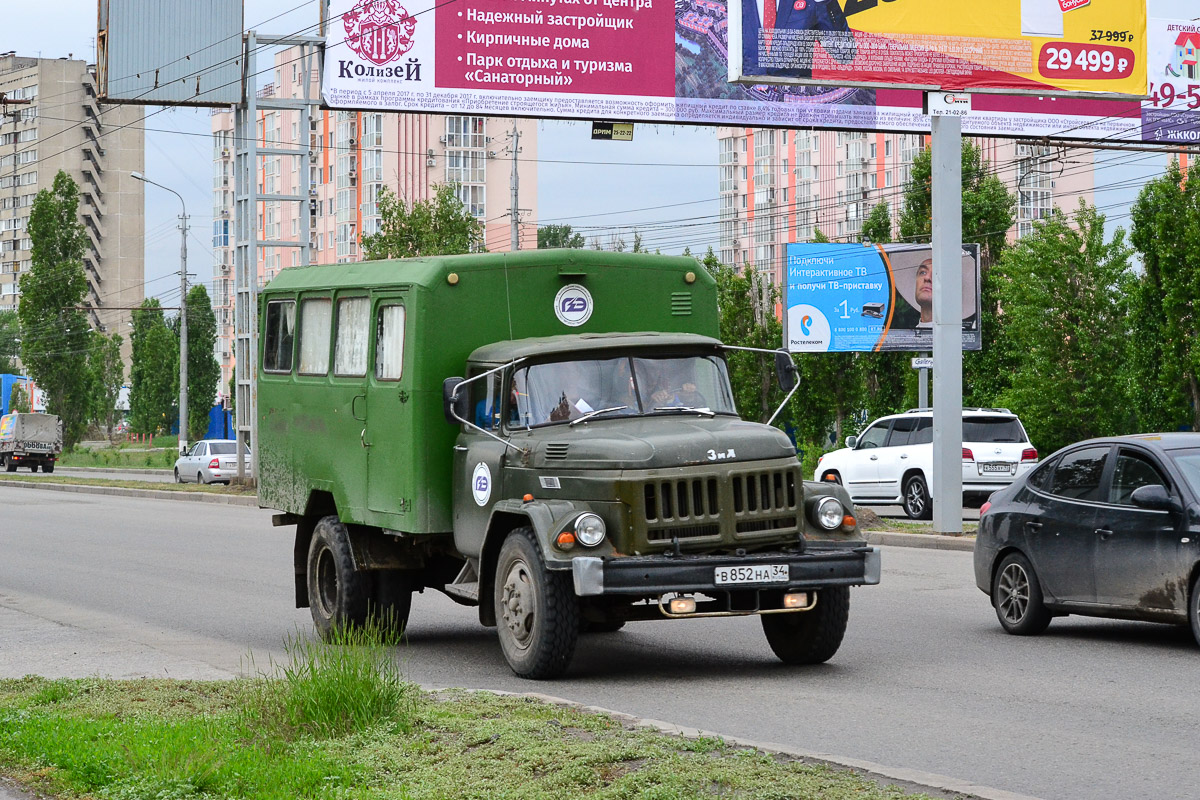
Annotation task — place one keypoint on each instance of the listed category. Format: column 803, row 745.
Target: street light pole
column 183, row 332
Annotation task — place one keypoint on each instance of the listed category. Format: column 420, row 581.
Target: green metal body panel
column 383, row 449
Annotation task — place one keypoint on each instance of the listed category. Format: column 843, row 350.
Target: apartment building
column 352, row 156
column 63, row 127
column 780, row 186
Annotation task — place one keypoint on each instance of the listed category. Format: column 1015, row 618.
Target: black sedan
column 1107, row 528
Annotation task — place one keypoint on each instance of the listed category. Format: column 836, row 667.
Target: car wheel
column 810, row 637
column 1194, row 609
column 917, row 504
column 337, row 593
column 178, row 478
column 537, row 613
column 832, row 477
column 1017, row 596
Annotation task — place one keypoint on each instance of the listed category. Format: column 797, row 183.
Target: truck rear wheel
column 810, row 637
column 47, row 468
column 33, row 467
column 537, row 613
column 337, row 592
column 9, row 466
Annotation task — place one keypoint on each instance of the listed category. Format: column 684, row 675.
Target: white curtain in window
column 314, row 336
column 354, row 317
column 389, row 343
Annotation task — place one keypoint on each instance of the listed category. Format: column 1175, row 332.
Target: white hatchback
column 891, row 462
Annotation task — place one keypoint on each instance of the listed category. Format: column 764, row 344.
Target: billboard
column 169, row 53
column 861, row 297
column 1173, row 112
column 1016, row 46
column 652, row 64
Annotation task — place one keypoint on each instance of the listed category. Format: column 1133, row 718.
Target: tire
column 810, row 637
column 537, row 613
column 47, row 468
column 916, row 500
column 1194, row 609
column 9, row 466
column 199, row 478
column 1017, row 597
column 33, row 467
column 178, row 479
column 392, row 602
column 831, row 474
column 338, row 594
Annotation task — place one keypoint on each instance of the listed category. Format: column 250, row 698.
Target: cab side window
column 485, row 396
column 280, row 335
column 1078, row 474
column 315, row 319
column 1133, row 471
column 874, row 436
column 389, row 343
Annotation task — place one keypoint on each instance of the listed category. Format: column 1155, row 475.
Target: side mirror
column 455, row 408
column 1154, row 497
column 785, row 370
column 851, row 441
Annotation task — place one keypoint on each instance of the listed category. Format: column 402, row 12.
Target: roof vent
column 681, row 304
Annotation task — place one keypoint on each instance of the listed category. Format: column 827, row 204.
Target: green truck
column 547, row 435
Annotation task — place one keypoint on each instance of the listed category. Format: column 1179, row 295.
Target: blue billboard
column 870, row 298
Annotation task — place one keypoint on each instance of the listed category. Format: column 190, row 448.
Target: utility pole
column 515, row 230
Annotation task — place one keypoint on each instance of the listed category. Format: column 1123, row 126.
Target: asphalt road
column 925, row 679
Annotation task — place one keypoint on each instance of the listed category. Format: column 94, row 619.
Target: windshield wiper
column 597, row 412
column 701, row 411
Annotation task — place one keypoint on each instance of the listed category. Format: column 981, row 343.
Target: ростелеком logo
column 573, row 305
column 379, row 30
column 805, row 322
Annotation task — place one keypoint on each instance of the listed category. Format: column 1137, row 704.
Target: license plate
column 756, row 573
column 998, row 466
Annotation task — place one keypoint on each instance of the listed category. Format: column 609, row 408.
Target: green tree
column 19, row 400
column 437, row 227
column 987, row 205
column 877, row 228
column 154, row 371
column 1062, row 289
column 107, row 373
column 1165, row 304
column 550, row 236
column 55, row 333
column 204, row 373
column 10, row 342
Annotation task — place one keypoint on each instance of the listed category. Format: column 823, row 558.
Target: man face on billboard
column 924, row 289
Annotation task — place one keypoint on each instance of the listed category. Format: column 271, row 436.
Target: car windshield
column 563, row 391
column 992, row 429
column 1188, row 462
column 223, row 448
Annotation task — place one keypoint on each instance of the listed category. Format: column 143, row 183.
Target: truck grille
column 751, row 504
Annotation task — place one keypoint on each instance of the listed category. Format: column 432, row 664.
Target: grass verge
column 338, row 721
column 122, row 457
column 120, row 484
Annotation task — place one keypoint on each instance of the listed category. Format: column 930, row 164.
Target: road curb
column 121, row 470
column 929, row 541
column 905, row 778
column 153, row 494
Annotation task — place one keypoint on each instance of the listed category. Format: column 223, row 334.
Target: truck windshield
column 562, row 391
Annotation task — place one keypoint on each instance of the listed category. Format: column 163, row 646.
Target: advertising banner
column 1173, row 112
column 1022, row 46
column 871, row 298
column 634, row 60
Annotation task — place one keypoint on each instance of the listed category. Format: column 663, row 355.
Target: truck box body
column 312, row 430
column 30, row 440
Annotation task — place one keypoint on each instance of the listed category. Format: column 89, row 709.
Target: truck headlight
column 589, row 529
column 830, row 513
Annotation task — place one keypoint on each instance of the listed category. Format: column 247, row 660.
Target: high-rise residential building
column 351, row 157
column 63, row 127
column 780, row 186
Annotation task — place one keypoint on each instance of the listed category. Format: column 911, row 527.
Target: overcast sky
column 664, row 181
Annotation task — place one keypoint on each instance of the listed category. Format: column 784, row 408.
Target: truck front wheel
column 537, row 613
column 337, row 592
column 810, row 637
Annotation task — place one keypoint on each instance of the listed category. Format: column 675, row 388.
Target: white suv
column 891, row 462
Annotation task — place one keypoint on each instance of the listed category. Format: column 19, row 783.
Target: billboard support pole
column 947, row 324
column 923, row 388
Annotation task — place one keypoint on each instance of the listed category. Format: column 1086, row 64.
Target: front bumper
column 647, row 576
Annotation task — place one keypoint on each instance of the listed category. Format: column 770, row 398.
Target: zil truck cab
column 549, row 436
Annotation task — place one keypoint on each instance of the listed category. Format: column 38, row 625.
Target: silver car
column 210, row 461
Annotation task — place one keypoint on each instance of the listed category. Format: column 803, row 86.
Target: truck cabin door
column 478, row 462
column 387, row 433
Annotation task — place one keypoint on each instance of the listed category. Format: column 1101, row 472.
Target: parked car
column 891, row 462
column 210, row 461
column 1106, row 527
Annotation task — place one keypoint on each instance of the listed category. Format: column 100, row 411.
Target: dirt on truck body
column 550, row 436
